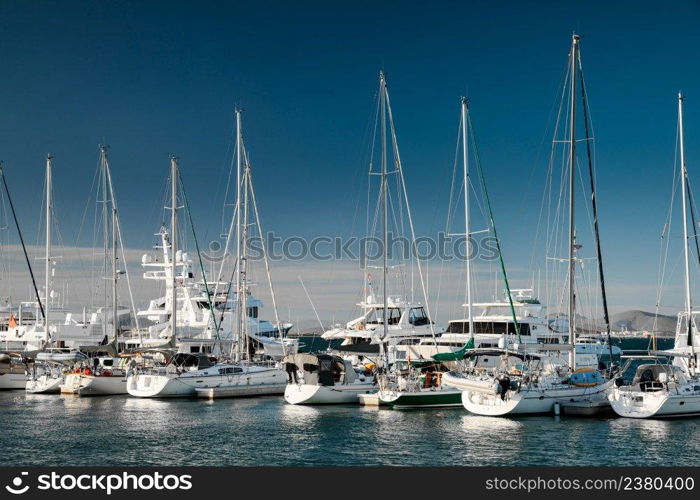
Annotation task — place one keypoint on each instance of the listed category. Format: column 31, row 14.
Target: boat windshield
column 376, row 316
column 492, row 327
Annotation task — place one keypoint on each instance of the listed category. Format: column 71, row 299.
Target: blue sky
column 158, row 78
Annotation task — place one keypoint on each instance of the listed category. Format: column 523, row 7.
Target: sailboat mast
column 572, row 178
column 385, row 212
column 115, row 243
column 686, row 252
column 47, row 268
column 244, row 254
column 239, row 311
column 105, row 235
column 173, row 247
column 467, row 219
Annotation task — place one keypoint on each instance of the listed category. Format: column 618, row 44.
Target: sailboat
column 502, row 382
column 47, row 379
column 390, row 319
column 245, row 376
column 106, row 374
column 419, row 384
column 385, row 322
column 13, row 370
column 668, row 389
column 176, row 374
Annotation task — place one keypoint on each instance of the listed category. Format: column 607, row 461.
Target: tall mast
column 467, row 219
column 239, row 310
column 115, row 277
column 572, row 178
column 105, row 234
column 385, row 216
column 173, row 247
column 244, row 253
column 47, row 284
column 686, row 252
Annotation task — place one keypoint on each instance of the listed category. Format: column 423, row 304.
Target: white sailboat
column 386, row 322
column 390, row 319
column 183, row 374
column 106, row 374
column 320, row 379
column 672, row 389
column 13, row 370
column 47, row 374
column 541, row 383
column 421, row 386
column 247, row 376
column 162, row 379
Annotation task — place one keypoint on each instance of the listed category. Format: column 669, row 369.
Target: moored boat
column 316, row 379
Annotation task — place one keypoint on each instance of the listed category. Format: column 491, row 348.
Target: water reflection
column 43, row 430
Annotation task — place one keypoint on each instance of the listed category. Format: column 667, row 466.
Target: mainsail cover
column 455, row 355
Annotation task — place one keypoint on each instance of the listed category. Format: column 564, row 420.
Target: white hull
column 13, row 381
column 45, row 384
column 307, row 394
column 254, row 382
column 657, row 404
column 91, row 385
column 159, row 386
column 527, row 401
column 241, row 391
column 172, row 385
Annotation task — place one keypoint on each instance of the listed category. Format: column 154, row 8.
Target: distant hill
column 641, row 320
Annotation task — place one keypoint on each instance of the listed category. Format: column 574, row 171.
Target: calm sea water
column 119, row 430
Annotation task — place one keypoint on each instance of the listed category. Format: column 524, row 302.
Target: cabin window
column 492, row 327
column 417, row 317
column 394, row 314
column 194, row 349
column 253, row 312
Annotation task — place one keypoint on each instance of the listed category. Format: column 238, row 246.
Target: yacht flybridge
column 44, row 321
column 406, row 323
column 195, row 316
column 494, row 328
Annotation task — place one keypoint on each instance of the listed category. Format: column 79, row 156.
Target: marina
column 386, row 235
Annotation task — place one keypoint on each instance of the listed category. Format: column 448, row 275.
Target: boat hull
column 158, row 386
column 423, row 399
column 252, row 381
column 92, row 385
column 308, row 394
column 238, row 391
column 13, row 381
column 44, row 385
column 659, row 404
column 527, row 401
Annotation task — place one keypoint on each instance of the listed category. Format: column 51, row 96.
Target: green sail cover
column 455, row 355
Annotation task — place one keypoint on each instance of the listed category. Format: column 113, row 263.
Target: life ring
column 87, row 371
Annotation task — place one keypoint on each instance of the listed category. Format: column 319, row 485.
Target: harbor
column 473, row 246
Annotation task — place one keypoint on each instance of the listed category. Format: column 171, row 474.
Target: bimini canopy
column 651, row 372
column 330, row 368
column 187, row 360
